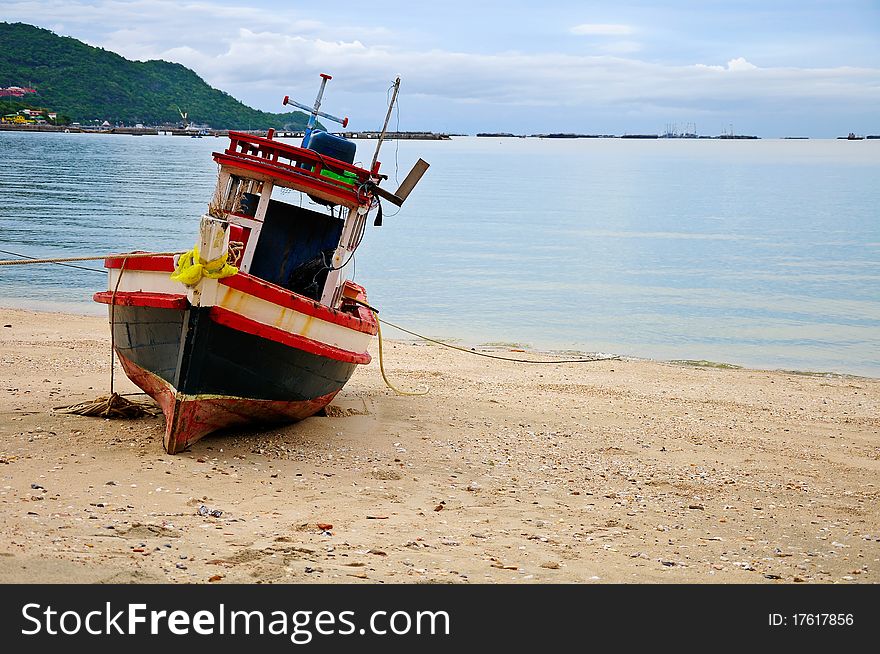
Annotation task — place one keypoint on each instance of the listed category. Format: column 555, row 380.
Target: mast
column 385, row 126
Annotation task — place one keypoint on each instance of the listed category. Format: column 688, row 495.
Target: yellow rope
column 382, row 364
column 379, row 322
column 190, row 268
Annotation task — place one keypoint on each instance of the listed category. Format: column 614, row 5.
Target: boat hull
column 190, row 417
column 247, row 360
column 199, row 356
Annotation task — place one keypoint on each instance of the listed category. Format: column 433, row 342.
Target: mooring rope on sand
column 381, row 321
column 472, row 351
column 495, row 356
column 382, row 364
column 113, row 405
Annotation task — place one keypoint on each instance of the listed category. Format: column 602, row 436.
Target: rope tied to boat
column 472, row 351
column 382, row 362
column 380, row 321
column 190, row 269
column 113, row 405
column 61, row 260
column 500, row 358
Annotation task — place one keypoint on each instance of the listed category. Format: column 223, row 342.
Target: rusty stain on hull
column 190, row 417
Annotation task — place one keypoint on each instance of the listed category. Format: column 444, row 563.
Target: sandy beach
column 616, row 471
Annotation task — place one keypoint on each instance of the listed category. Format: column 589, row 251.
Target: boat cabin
column 303, row 250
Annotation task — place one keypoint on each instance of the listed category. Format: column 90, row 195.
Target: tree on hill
column 87, row 83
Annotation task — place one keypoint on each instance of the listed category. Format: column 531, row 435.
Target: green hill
column 87, row 83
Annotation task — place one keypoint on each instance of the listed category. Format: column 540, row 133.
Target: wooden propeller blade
column 387, row 195
column 406, row 186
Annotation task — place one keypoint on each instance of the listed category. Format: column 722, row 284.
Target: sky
column 764, row 67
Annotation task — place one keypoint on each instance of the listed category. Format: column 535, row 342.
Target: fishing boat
column 257, row 323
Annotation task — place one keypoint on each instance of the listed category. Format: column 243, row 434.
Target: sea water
column 760, row 253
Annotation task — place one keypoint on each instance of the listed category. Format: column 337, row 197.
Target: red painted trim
column 240, row 143
column 300, row 178
column 352, row 291
column 236, row 321
column 143, row 299
column 363, row 322
column 152, row 264
column 241, row 234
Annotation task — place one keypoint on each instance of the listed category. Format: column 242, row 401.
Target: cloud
column 142, row 29
column 259, row 56
column 602, row 29
column 734, row 65
column 517, row 78
column 740, row 64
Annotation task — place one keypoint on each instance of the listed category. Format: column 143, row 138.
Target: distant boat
column 851, row 137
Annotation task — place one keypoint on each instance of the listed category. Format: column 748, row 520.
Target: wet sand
column 615, row 471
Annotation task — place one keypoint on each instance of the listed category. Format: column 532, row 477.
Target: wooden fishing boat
column 257, row 324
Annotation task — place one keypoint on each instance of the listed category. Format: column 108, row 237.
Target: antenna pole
column 313, row 116
column 314, row 111
column 385, row 126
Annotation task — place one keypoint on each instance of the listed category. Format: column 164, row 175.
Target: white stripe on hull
column 212, row 293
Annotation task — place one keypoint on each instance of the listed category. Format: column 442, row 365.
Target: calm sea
column 759, row 253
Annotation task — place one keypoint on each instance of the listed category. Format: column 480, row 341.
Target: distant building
column 29, row 117
column 15, row 91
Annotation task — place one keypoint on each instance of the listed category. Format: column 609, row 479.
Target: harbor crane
column 183, row 116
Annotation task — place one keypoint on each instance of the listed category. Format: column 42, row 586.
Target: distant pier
column 396, row 136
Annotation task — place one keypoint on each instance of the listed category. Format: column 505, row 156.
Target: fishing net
column 111, row 406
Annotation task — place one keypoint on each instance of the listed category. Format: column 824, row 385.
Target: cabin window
column 241, row 196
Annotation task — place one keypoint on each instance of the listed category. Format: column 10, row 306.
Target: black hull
column 198, row 356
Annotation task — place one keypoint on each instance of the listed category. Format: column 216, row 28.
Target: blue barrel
column 331, row 145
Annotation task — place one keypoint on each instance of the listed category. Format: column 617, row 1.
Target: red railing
column 295, row 167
